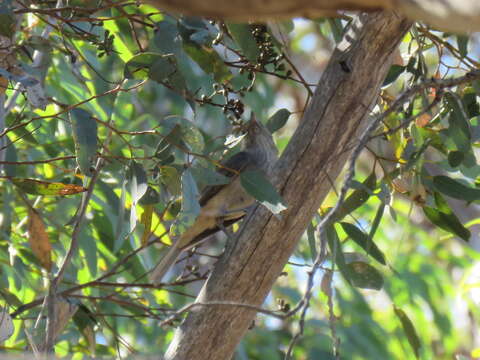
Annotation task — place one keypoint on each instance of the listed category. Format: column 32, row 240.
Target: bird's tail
column 165, row 264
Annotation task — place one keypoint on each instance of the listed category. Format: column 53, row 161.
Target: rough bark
column 447, row 15
column 316, row 154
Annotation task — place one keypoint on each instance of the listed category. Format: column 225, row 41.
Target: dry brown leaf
column 423, row 120
column 38, row 237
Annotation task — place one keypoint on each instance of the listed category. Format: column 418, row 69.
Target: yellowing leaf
column 48, row 170
column 38, row 187
column 146, row 220
column 38, row 238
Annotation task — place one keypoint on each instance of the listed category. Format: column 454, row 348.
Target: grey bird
column 223, row 205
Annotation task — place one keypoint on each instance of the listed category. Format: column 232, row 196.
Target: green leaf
column 164, row 152
column 455, row 158
column 257, row 185
column 444, row 217
column 441, row 204
column 10, row 298
column 190, row 206
column 409, row 330
column 7, row 19
column 8, row 204
column 138, row 67
column 337, row 28
column 358, row 197
column 166, row 36
column 376, row 222
column 448, row 222
column 278, row 120
column 335, row 247
column 312, row 240
column 393, row 74
column 462, row 43
column 470, row 103
column 104, row 229
column 455, row 189
column 207, row 176
column 121, row 229
column 208, row 60
column 162, row 69
column 84, row 129
column 287, row 25
column 89, row 246
column 171, row 178
column 180, row 131
column 38, row 187
column 20, row 132
column 459, row 127
column 197, row 43
column 365, row 276
column 10, row 155
column 242, row 35
column 137, row 178
column 364, row 241
column 151, row 197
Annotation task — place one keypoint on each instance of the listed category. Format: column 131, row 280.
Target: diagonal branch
column 319, row 149
column 451, row 15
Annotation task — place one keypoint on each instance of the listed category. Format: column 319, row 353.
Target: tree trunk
column 448, row 15
column 316, row 154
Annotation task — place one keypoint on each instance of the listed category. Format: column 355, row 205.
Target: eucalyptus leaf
column 10, row 155
column 462, row 43
column 257, row 185
column 137, row 178
column 208, row 60
column 335, row 247
column 84, row 129
column 448, row 222
column 242, row 34
column 365, row 276
column 365, row 241
column 312, row 240
column 393, row 74
column 278, row 120
column 455, row 189
column 358, row 197
column 409, row 330
column 7, row 19
column 455, row 158
column 138, row 67
column 459, row 127
column 190, row 206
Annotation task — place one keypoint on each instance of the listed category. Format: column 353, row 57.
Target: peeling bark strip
column 448, row 15
column 318, row 151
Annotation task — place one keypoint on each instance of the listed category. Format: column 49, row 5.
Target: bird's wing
column 230, row 168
